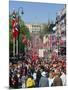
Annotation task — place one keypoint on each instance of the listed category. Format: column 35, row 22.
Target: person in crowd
column 63, row 78
column 38, row 76
column 15, row 82
column 57, row 80
column 51, row 78
column 23, row 79
column 43, row 80
column 30, row 82
column 34, row 75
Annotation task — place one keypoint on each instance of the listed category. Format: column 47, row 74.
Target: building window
column 63, row 51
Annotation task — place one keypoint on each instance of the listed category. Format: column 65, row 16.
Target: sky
column 36, row 12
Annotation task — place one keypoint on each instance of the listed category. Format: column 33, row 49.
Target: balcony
column 57, row 19
column 61, row 15
column 63, row 28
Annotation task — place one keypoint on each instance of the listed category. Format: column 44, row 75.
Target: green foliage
column 10, row 41
column 23, row 30
column 10, row 24
column 21, row 45
column 47, row 29
column 44, row 31
column 51, row 28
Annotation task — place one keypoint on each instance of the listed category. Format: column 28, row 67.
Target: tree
column 23, row 30
column 44, row 31
column 47, row 29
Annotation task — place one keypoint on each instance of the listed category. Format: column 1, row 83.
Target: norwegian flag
column 15, row 30
column 15, row 25
column 13, row 19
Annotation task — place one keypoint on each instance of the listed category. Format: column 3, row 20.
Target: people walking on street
column 30, row 83
column 57, row 80
column 38, row 76
column 63, row 78
column 43, row 80
column 51, row 78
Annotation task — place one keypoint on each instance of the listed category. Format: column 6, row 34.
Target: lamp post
column 17, row 41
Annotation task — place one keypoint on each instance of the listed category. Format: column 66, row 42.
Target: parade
column 37, row 52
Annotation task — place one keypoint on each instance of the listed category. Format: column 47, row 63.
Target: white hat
column 43, row 74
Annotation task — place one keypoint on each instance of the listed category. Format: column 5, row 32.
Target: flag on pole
column 15, row 30
column 15, row 25
column 13, row 19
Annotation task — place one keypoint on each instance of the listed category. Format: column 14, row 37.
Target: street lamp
column 19, row 9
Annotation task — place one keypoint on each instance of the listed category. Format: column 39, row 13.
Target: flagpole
column 17, row 40
column 13, row 26
column 14, row 47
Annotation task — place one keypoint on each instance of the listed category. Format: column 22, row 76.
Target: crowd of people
column 41, row 73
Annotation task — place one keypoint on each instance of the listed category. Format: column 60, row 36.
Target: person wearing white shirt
column 50, row 79
column 63, row 78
